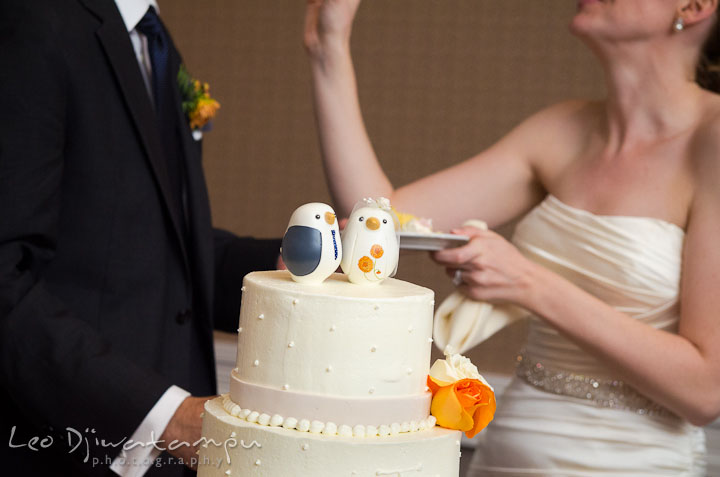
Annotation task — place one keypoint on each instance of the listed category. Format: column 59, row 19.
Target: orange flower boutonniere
column 197, row 104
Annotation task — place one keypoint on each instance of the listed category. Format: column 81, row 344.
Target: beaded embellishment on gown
column 565, row 414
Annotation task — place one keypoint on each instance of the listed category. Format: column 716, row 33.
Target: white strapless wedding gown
column 564, row 414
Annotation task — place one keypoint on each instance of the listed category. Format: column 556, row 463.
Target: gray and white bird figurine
column 370, row 243
column 311, row 247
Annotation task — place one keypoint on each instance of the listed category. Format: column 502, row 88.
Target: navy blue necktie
column 159, row 48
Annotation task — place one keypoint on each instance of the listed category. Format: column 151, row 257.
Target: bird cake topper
column 370, row 242
column 311, row 247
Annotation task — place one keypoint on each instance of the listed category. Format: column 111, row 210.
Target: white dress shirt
column 135, row 461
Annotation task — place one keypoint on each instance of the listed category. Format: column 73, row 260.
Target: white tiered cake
column 330, row 381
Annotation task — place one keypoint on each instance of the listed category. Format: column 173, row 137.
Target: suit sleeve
column 235, row 257
column 54, row 366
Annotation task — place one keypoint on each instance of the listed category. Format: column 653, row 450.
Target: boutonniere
column 197, row 105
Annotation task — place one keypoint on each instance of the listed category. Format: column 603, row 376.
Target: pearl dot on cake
column 328, row 369
column 286, row 387
column 242, row 289
column 305, row 447
column 257, row 462
column 376, row 307
column 276, row 421
column 291, row 344
column 228, row 472
column 409, row 370
column 371, row 390
column 410, row 329
column 256, row 363
column 296, row 301
column 333, row 328
column 373, row 349
column 261, row 316
column 240, row 330
column 430, row 340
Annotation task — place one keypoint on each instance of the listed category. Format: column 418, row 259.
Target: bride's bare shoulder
column 705, row 153
column 559, row 132
column 707, row 134
column 573, row 112
column 704, row 161
column 563, row 123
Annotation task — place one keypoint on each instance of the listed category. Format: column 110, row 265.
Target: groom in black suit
column 111, row 276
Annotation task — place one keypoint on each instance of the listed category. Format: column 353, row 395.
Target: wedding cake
column 330, row 380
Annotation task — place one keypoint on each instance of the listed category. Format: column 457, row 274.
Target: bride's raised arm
column 476, row 188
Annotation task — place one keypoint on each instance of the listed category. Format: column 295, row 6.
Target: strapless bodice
column 550, row 427
column 630, row 263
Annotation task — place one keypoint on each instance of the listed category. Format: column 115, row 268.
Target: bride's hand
column 328, row 24
column 490, row 268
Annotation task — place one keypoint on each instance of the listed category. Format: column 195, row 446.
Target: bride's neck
column 652, row 96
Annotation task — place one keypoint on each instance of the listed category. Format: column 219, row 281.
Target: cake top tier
column 338, row 286
column 334, row 338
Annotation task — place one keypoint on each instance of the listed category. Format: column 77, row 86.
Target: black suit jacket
column 106, row 292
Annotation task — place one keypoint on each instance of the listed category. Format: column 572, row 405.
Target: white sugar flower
column 454, row 368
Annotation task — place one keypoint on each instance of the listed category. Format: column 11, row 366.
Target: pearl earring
column 679, row 24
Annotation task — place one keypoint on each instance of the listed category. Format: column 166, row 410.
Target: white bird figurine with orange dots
column 370, row 243
column 311, row 247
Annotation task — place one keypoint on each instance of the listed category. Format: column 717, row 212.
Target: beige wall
column 439, row 81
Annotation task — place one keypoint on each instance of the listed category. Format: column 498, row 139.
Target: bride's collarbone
column 643, row 186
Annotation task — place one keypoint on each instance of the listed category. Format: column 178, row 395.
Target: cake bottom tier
column 255, row 450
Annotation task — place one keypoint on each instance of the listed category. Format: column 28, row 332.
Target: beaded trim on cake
column 603, row 393
column 318, row 427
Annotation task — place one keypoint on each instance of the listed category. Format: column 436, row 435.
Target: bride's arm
column 476, row 188
column 679, row 371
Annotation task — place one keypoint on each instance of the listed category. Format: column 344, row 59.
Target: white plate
column 420, row 241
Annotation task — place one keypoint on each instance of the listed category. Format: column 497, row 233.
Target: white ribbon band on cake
column 461, row 323
column 409, row 413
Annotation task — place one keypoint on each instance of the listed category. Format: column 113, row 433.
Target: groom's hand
column 184, row 430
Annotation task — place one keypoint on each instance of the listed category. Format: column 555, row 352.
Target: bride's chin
column 582, row 25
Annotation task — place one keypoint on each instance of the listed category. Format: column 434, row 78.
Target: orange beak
column 329, row 218
column 372, row 223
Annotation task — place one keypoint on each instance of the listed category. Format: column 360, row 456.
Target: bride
column 616, row 255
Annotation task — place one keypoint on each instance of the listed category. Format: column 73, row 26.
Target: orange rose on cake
column 462, row 399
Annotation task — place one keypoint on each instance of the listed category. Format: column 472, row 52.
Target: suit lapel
column 115, row 40
column 198, row 210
